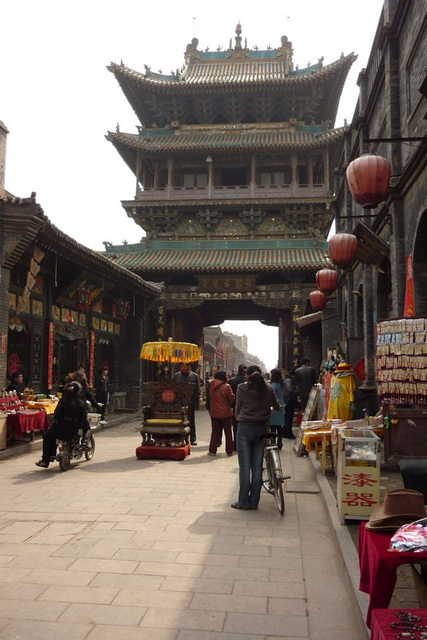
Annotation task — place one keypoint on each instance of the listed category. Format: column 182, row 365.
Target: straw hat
column 400, row 507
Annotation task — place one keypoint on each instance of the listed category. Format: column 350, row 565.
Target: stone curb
column 347, row 552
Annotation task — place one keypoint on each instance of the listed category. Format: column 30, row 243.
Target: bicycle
column 272, row 474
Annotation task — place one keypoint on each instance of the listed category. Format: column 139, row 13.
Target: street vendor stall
column 27, row 421
column 378, row 567
column 401, row 356
column 358, row 474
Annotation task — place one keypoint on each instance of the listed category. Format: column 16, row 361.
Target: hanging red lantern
column 122, row 309
column 83, row 298
column 318, row 300
column 342, row 249
column 326, row 280
column 368, row 179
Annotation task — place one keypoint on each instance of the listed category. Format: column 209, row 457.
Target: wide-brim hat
column 400, row 507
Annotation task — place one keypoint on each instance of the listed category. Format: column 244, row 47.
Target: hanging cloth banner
column 50, row 340
column 409, row 307
column 91, row 357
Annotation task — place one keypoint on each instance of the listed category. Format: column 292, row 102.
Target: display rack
column 401, row 358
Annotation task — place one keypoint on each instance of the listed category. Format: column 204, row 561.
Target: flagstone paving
column 120, row 548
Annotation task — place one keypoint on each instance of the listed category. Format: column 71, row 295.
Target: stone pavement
column 119, row 548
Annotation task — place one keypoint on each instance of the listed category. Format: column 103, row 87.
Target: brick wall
column 4, row 322
column 3, row 139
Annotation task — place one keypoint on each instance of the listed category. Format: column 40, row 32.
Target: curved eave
column 25, row 213
column 139, row 89
column 305, row 257
column 198, row 80
column 128, row 145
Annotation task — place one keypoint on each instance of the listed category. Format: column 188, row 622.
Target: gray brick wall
column 3, row 140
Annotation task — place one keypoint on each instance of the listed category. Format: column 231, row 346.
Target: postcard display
column 401, row 358
column 358, row 473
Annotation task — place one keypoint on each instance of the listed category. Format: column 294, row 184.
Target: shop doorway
column 67, row 357
column 19, row 350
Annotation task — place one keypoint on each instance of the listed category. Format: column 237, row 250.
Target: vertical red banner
column 50, row 339
column 91, row 357
column 409, row 306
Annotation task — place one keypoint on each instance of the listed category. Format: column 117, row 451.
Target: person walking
column 208, row 386
column 305, row 379
column 277, row 416
column 222, row 399
column 253, row 405
column 187, row 375
column 101, row 384
column 290, row 396
column 69, row 417
column 234, row 382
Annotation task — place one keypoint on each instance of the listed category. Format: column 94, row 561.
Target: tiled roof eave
column 211, row 260
column 181, row 144
column 194, row 83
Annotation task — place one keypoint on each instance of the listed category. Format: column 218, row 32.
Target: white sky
column 58, row 100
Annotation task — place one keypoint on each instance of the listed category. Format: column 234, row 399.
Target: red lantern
column 327, row 281
column 342, row 249
column 368, row 179
column 122, row 309
column 318, row 300
column 83, row 298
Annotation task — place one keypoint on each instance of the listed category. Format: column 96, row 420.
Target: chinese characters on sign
column 160, row 322
column 296, row 337
column 359, row 491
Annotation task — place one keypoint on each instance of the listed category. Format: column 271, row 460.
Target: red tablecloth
column 24, row 422
column 10, row 403
column 378, row 567
column 381, row 619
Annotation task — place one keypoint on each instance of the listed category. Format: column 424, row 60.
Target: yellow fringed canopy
column 170, row 351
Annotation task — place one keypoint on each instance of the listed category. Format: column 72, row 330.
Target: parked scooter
column 68, row 450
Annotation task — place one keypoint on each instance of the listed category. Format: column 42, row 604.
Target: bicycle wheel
column 266, row 474
column 277, row 484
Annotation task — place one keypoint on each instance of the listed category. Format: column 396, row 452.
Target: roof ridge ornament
column 285, row 51
column 238, row 36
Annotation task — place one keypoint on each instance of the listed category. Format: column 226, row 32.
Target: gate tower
column 233, row 161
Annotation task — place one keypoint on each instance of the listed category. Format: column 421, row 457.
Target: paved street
column 120, row 548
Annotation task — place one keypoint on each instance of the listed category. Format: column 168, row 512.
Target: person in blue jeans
column 254, row 401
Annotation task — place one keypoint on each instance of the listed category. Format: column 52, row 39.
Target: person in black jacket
column 69, row 417
column 102, row 392
column 17, row 384
column 234, row 382
column 86, row 396
column 305, row 379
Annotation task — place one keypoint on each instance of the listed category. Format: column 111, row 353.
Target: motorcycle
column 68, row 450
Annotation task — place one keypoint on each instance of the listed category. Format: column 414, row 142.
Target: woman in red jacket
column 221, row 401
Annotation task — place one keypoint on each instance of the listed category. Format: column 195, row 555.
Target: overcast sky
column 58, row 100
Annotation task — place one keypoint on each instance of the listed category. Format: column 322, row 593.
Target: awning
column 311, row 318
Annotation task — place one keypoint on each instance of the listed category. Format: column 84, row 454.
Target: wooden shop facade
column 63, row 305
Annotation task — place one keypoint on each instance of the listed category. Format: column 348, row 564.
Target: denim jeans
column 250, row 450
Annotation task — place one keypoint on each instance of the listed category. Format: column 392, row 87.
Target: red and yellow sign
column 50, row 355
column 409, row 306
